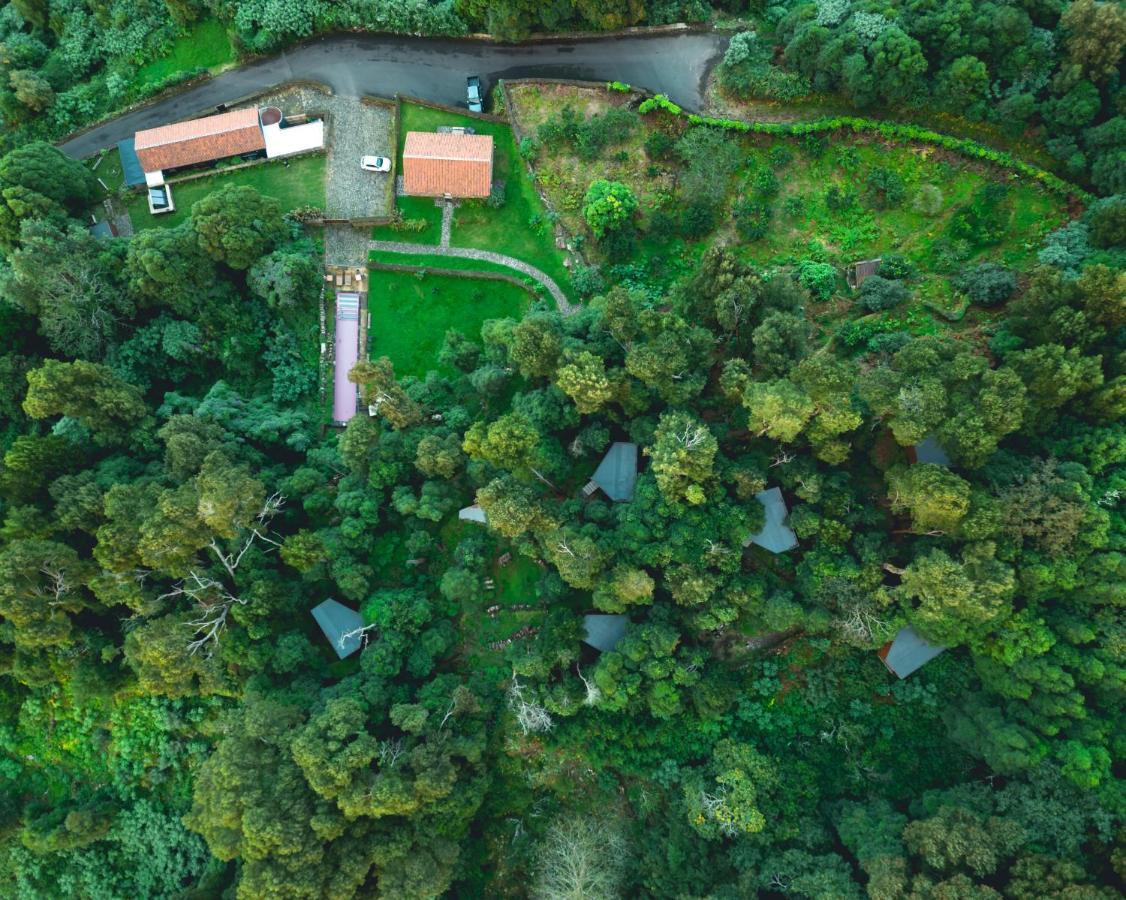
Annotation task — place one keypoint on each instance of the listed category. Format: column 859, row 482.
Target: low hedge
column 887, row 130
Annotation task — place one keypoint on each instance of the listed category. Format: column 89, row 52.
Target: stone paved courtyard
column 355, row 129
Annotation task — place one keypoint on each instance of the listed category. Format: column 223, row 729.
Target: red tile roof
column 460, row 165
column 199, row 140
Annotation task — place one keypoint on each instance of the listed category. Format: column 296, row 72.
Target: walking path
column 565, row 306
column 447, row 222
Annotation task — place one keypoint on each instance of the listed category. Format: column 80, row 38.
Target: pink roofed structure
column 344, row 400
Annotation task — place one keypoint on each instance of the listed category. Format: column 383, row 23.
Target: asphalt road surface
column 672, row 64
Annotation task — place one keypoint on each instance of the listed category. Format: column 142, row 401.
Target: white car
column 375, row 163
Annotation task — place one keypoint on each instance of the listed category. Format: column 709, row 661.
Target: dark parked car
column 474, row 98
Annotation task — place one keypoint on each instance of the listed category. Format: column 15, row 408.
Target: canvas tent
column 616, row 475
column 472, row 513
column 928, row 450
column 907, row 651
column 775, row 535
column 604, row 633
column 337, row 620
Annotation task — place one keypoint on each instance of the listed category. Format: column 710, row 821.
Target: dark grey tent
column 604, row 632
column 337, row 620
column 775, row 535
column 907, row 651
column 928, row 450
column 616, row 474
column 130, row 165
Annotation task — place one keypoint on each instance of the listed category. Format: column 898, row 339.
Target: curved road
column 434, row 69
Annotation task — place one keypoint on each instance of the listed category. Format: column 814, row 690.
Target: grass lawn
column 508, row 230
column 414, row 208
column 428, row 261
column 300, row 183
column 410, row 314
column 515, row 584
column 109, row 170
column 206, row 46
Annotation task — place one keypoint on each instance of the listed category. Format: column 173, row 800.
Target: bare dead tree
column 361, row 633
column 56, row 587
column 692, row 437
column 859, row 623
column 593, row 693
column 389, row 752
column 214, row 599
column 530, row 716
column 782, row 458
column 711, row 804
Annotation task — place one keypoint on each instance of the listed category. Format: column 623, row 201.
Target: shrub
column 664, row 223
column 780, row 156
column 619, row 86
column 983, row 221
column 766, row 182
column 928, row 201
column 814, row 145
column 1067, row 247
column 528, row 149
column 794, row 206
column 658, row 145
column 587, row 137
column 884, row 188
column 987, row 284
column 819, row 278
column 619, row 245
column 839, row 198
column 889, row 342
column 608, row 206
column 700, row 216
column 710, row 155
column 752, row 218
column 660, row 101
column 1107, row 222
column 587, row 280
column 497, row 195
column 897, row 266
column 878, row 293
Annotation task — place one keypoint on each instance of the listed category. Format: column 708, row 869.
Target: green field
column 300, row 183
column 414, row 208
column 519, row 228
column 410, row 314
column 206, row 46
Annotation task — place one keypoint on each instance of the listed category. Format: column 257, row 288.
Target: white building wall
column 295, row 139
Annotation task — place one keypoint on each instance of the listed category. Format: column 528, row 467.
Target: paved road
column 675, row 64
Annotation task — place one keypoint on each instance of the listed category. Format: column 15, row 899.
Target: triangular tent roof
column 473, row 513
column 775, row 535
column 336, row 620
column 617, row 473
column 908, row 651
column 928, row 450
column 604, row 633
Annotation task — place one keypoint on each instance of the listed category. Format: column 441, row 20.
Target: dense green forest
column 174, row 502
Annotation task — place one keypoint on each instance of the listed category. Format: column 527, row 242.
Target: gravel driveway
column 355, row 129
